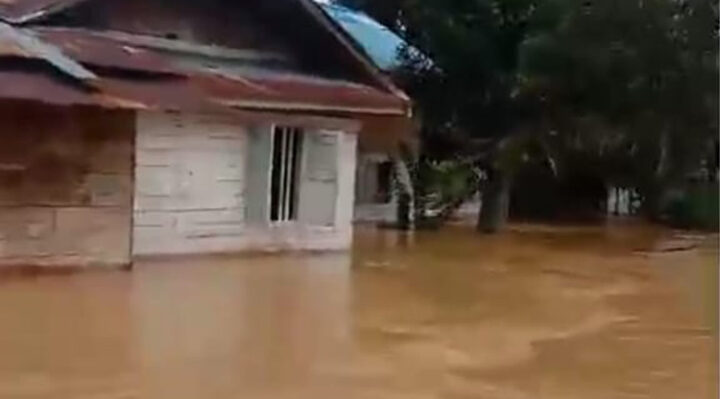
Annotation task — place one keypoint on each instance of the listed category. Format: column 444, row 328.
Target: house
column 136, row 127
column 376, row 196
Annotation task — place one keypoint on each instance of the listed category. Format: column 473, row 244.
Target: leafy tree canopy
column 628, row 88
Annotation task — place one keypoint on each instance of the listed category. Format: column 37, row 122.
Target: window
column 286, row 155
column 374, row 181
column 383, row 195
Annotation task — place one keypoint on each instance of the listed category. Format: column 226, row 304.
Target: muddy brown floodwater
column 539, row 312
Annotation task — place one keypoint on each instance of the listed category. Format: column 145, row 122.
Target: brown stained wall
column 387, row 134
column 65, row 186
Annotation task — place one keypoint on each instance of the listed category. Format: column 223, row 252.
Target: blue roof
column 379, row 42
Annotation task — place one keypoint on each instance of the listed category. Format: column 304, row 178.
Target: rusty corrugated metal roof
column 204, row 92
column 96, row 49
column 160, row 94
column 38, row 87
column 167, row 95
column 342, row 94
column 197, row 93
column 26, row 11
column 279, row 93
column 169, row 81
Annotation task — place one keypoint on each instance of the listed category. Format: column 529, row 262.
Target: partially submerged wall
column 375, row 200
column 195, row 183
column 65, row 186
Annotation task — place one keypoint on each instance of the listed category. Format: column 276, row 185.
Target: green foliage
column 624, row 90
column 439, row 188
column 644, row 74
column 472, row 84
column 445, row 181
column 696, row 206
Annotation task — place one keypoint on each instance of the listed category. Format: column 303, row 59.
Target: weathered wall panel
column 65, row 186
column 190, row 173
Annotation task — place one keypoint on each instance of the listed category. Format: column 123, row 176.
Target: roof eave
column 308, row 107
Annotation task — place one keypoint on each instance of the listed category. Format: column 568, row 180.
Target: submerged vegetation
column 563, row 98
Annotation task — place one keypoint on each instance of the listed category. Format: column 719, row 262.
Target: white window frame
column 290, row 168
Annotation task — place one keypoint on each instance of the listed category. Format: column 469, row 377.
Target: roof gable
column 109, row 53
column 380, row 43
column 24, row 12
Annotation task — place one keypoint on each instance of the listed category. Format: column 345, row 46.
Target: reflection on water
column 538, row 312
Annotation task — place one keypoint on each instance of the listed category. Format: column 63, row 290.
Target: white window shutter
column 319, row 179
column 257, row 189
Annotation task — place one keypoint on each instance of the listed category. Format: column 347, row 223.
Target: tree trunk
column 655, row 189
column 653, row 200
column 616, row 200
column 405, row 206
column 404, row 212
column 495, row 203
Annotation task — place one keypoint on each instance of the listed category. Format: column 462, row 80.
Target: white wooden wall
column 191, row 191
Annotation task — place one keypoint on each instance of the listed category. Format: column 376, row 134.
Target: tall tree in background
column 468, row 93
column 628, row 87
column 646, row 71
